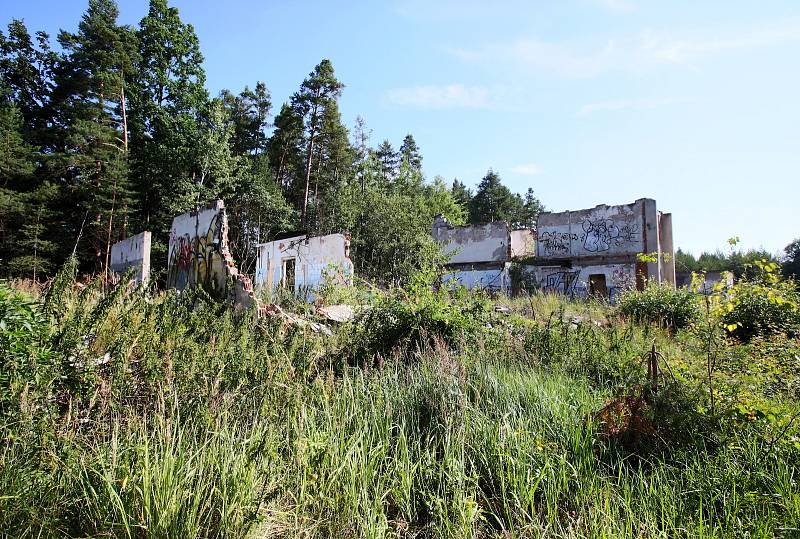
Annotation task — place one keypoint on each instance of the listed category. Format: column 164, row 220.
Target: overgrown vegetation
column 137, row 413
column 657, row 304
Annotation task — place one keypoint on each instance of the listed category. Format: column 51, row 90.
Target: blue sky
column 695, row 104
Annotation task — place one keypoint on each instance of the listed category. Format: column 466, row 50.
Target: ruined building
column 578, row 253
column 302, row 263
column 594, row 251
column 481, row 255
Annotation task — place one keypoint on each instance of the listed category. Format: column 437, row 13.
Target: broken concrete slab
column 337, row 313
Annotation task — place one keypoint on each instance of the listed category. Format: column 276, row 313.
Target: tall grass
column 202, row 424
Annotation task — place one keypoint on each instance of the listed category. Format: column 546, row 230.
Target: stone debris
column 274, row 311
column 337, row 313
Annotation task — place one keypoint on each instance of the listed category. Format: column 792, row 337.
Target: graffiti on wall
column 564, row 282
column 601, row 235
column 198, row 259
column 557, row 242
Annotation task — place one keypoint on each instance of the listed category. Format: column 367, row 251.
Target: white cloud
column 450, row 96
column 502, row 98
column 640, row 51
column 633, row 104
column 527, row 169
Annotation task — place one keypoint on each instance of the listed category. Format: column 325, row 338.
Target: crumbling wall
column 199, row 255
column 315, row 260
column 489, row 242
column 133, row 252
column 594, row 251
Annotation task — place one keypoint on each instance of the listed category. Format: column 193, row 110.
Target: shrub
column 660, row 304
column 412, row 315
column 761, row 306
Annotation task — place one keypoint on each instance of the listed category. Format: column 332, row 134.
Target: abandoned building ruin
column 302, row 263
column 591, row 252
column 199, row 256
column 481, row 255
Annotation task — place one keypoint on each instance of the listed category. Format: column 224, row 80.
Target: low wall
column 133, row 252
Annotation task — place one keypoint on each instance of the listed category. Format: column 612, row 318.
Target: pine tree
column 318, row 92
column 26, row 70
column 493, row 201
column 461, row 195
column 389, row 161
column 89, row 92
column 409, row 152
column 168, row 102
column 249, row 117
column 284, row 148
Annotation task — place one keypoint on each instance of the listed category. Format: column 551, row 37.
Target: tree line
column 115, row 132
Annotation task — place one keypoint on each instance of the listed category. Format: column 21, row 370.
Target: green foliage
column 660, row 304
column 493, row 201
column 791, row 261
column 761, row 306
column 418, row 315
column 740, row 263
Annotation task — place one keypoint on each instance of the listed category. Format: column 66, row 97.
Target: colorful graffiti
column 197, row 259
column 199, row 256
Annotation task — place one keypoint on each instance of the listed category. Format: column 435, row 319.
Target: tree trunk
column 308, row 177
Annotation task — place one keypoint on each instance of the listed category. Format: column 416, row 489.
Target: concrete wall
column 496, row 279
column 198, row 255
column 603, row 242
column 133, row 252
column 523, row 243
column 599, row 231
column 667, row 248
column 314, row 259
column 489, row 242
column 575, row 281
column 195, row 250
column 684, row 279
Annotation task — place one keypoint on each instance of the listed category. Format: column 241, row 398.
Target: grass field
column 143, row 414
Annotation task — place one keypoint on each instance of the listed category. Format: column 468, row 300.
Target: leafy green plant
column 418, row 312
column 660, row 304
column 763, row 305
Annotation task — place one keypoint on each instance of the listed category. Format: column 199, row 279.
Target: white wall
column 480, row 279
column 314, row 259
column 600, row 231
column 489, row 242
column 523, row 243
column 133, row 252
column 197, row 249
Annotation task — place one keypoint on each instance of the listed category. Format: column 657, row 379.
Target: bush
column 660, row 304
column 766, row 305
column 413, row 315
